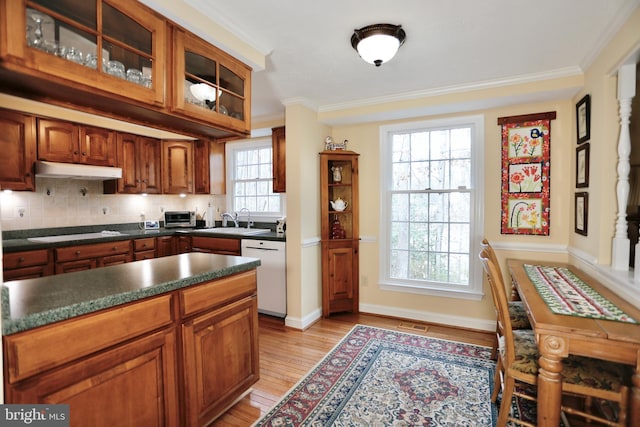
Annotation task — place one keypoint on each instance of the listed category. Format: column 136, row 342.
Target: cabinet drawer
column 44, row 348
column 138, row 256
column 217, row 292
column 92, row 251
column 25, row 259
column 144, row 244
column 215, row 245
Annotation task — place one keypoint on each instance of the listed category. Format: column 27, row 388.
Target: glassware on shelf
column 74, row 55
column 116, row 68
column 134, row 75
column 37, row 37
column 337, row 232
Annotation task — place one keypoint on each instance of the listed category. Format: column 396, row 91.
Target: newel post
column 626, row 92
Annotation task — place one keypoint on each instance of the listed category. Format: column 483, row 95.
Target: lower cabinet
column 220, row 356
column 85, row 257
column 126, row 366
column 27, row 264
column 216, row 245
column 132, row 385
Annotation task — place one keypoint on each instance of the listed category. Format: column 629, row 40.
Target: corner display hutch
column 339, row 231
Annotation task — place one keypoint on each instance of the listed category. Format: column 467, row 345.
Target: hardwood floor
column 286, row 355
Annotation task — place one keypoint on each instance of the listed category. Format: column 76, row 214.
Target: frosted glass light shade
column 378, row 49
column 378, row 43
column 204, row 92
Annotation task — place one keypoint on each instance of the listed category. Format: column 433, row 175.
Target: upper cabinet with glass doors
column 118, row 46
column 210, row 85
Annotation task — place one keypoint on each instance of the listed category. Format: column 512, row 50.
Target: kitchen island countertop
column 31, row 303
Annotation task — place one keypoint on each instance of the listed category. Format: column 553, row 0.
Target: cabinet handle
column 77, row 253
column 21, row 259
column 75, row 152
column 115, row 248
column 84, row 153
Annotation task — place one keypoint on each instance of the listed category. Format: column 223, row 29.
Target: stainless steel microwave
column 178, row 219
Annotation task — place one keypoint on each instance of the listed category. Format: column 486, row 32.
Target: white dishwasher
column 272, row 274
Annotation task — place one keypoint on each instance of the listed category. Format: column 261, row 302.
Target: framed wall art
column 582, row 213
column 582, row 166
column 583, row 119
column 526, row 154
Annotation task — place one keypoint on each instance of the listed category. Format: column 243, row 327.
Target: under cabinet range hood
column 76, row 171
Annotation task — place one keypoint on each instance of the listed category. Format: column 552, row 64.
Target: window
column 250, row 178
column 431, row 213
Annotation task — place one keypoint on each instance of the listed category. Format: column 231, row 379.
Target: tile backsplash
column 71, row 202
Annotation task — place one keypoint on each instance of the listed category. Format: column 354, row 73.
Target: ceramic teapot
column 338, row 204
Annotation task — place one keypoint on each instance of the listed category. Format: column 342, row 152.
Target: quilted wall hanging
column 525, row 194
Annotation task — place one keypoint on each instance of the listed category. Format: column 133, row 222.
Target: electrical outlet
column 364, row 280
column 105, row 210
column 48, row 191
column 20, row 211
column 141, row 216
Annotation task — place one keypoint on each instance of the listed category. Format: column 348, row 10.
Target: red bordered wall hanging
column 526, row 182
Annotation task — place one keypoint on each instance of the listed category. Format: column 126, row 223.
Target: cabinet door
column 27, row 264
column 80, row 265
column 165, row 246
column 177, row 167
column 340, row 273
column 58, row 141
column 279, row 160
column 138, row 378
column 150, row 164
column 18, row 148
column 220, row 357
column 201, row 166
column 99, row 31
column 128, row 160
column 97, row 146
column 113, row 260
column 217, row 169
column 183, row 244
column 210, row 85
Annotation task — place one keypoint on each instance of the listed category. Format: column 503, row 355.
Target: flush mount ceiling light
column 378, row 43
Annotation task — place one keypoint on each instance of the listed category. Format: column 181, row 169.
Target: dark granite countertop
column 30, row 303
column 16, row 241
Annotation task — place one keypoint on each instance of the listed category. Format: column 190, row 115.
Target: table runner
column 565, row 293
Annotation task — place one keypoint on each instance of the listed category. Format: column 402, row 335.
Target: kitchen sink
column 70, row 237
column 236, row 231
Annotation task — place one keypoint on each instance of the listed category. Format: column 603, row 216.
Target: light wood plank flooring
column 286, row 355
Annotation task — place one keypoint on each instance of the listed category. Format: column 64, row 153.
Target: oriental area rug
column 379, row 377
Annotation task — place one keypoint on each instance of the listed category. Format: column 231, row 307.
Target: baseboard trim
column 304, row 322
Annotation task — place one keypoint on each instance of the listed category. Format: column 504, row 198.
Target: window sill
column 466, row 294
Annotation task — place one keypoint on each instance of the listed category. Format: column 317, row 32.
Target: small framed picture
column 583, row 119
column 582, row 213
column 582, row 166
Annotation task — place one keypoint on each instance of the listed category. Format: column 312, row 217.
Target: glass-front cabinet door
column 210, row 85
column 118, row 46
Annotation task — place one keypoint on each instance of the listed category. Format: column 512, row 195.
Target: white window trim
column 474, row 290
column 229, row 149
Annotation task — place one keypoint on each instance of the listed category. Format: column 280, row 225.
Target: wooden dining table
column 559, row 335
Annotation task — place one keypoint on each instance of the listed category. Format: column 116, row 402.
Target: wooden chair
column 517, row 312
column 518, row 361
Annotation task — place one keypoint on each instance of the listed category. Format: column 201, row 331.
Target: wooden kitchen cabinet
column 98, row 362
column 165, row 246
column 217, row 169
column 60, row 141
column 201, row 175
column 18, row 148
column 86, row 257
column 183, row 244
column 215, row 245
column 339, row 231
column 127, row 32
column 220, row 345
column 140, row 158
column 144, row 248
column 27, row 264
column 177, row 167
column 210, row 85
column 278, row 142
column 177, row 359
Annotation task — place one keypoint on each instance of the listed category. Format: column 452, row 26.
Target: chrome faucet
column 249, row 223
column 232, row 216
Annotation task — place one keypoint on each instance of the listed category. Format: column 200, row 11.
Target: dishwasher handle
column 261, row 249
